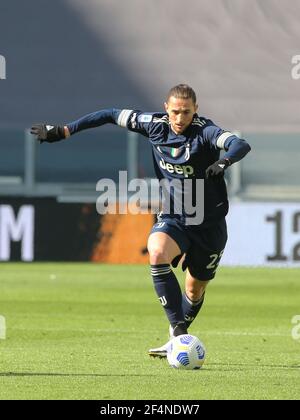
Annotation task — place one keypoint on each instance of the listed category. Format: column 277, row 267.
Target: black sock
column 191, row 308
column 168, row 292
column 180, row 329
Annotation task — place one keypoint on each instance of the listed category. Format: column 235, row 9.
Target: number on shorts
column 215, row 260
column 160, row 225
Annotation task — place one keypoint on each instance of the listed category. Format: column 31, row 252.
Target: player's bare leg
column 194, row 288
column 162, row 250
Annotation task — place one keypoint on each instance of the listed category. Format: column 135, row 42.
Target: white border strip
column 2, row 328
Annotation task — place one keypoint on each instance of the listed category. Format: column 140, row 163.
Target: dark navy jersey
column 179, row 156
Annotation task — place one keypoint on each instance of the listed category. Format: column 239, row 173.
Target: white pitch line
column 99, row 330
column 250, row 334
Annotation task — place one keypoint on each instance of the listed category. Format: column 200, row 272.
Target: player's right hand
column 48, row 133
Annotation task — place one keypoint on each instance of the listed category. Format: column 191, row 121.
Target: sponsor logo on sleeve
column 145, row 118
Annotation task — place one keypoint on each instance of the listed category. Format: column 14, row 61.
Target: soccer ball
column 186, row 352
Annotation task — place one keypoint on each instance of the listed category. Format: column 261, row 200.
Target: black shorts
column 203, row 247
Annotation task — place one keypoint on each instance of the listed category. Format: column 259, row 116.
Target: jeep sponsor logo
column 185, row 170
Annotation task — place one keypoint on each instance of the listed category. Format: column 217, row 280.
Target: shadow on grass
column 207, row 368
column 251, row 365
column 69, row 375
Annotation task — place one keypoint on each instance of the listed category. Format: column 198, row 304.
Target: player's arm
column 235, row 149
column 130, row 119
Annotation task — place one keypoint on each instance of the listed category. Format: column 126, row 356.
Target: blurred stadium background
column 66, row 58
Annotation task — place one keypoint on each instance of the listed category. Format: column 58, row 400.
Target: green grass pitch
column 81, row 331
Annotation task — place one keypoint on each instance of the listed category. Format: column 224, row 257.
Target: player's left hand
column 217, row 169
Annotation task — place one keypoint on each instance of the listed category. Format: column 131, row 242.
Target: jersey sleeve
column 133, row 120
column 218, row 139
column 94, row 119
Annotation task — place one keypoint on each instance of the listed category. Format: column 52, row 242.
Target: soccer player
column 185, row 146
